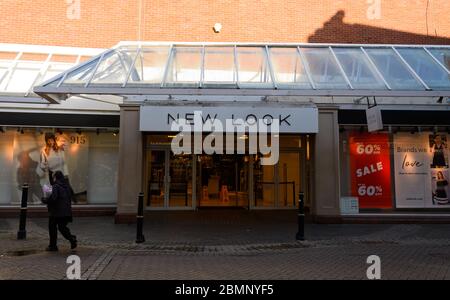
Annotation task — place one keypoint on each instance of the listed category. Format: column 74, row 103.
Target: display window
column 407, row 169
column 88, row 160
column 421, row 170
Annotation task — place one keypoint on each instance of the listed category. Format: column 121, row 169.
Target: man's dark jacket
column 59, row 203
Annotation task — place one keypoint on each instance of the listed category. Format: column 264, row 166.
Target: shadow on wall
column 336, row 31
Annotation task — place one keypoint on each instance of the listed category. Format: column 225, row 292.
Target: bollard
column 22, row 233
column 301, row 217
column 140, row 219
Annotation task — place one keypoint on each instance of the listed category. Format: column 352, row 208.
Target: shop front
column 401, row 169
column 312, row 92
column 188, row 181
column 227, row 168
column 32, row 150
column 79, row 137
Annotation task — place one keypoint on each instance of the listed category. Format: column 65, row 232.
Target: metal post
column 140, row 219
column 22, row 233
column 301, row 217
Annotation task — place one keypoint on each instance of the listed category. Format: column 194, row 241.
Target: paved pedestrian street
column 226, row 245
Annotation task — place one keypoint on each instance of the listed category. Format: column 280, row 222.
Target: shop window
column 405, row 169
column 88, row 159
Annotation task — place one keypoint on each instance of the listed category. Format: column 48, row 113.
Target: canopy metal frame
column 30, row 64
column 269, row 84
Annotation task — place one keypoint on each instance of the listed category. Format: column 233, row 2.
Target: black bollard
column 140, row 219
column 301, row 217
column 22, row 233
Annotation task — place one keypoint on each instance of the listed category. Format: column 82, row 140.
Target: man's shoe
column 73, row 243
column 51, row 249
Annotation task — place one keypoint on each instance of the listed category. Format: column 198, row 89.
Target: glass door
column 169, row 179
column 180, row 180
column 264, row 181
column 157, row 178
column 223, row 180
column 289, row 178
column 277, row 186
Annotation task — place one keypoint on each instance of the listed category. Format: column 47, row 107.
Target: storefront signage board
column 291, row 119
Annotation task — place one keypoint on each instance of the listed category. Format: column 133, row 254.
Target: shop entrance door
column 169, row 179
column 223, row 180
column 277, row 186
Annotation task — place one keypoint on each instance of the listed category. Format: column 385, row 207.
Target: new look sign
column 290, row 119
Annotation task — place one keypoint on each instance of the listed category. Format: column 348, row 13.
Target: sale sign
column 370, row 168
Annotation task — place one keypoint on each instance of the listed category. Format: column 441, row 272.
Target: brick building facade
column 103, row 23
column 97, row 105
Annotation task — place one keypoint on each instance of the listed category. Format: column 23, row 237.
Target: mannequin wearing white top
column 54, row 161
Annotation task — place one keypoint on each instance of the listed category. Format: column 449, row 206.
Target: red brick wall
column 103, row 23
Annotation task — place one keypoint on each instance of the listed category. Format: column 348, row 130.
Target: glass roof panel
column 443, row 55
column 4, row 65
column 393, row 70
column 359, row 71
column 53, row 83
column 23, row 74
column 219, row 66
column 425, row 66
column 113, row 69
column 324, row 69
column 184, row 67
column 253, row 67
column 288, row 68
column 81, row 75
column 149, row 66
column 53, row 70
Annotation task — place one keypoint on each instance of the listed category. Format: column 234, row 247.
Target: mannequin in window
column 438, row 149
column 441, row 184
column 52, row 158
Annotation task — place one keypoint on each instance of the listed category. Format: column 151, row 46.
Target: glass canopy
column 303, row 69
column 24, row 66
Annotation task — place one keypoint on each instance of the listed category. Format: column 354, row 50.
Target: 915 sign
column 78, row 139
